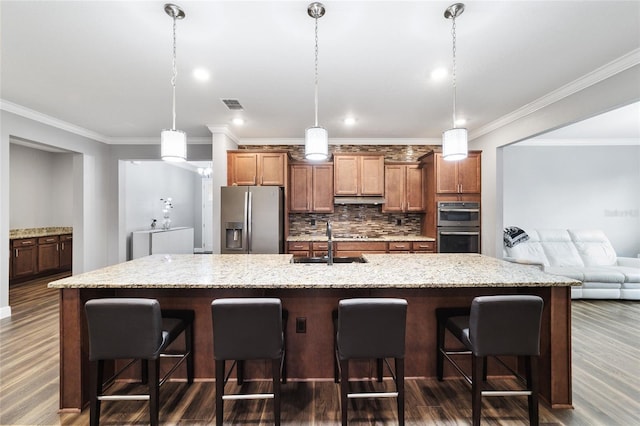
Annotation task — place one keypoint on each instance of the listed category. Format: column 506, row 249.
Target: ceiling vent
column 233, row 104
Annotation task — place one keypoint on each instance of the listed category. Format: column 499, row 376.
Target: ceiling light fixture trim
column 454, row 140
column 316, row 138
column 173, row 143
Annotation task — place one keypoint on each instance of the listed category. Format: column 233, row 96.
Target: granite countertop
column 313, row 238
column 276, row 271
column 39, row 232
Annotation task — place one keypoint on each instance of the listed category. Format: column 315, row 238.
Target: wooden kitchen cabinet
column 399, row 247
column 66, row 251
column 299, row 248
column 458, row 177
column 358, row 174
column 358, row 248
column 311, row 188
column 448, row 181
column 24, row 257
column 48, row 253
column 403, row 188
column 308, row 248
column 257, row 168
column 423, row 247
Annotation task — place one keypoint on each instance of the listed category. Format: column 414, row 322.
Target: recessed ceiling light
column 201, row 74
column 349, row 121
column 461, row 121
column 238, row 121
column 439, row 74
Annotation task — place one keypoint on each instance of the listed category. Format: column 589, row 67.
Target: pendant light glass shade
column 454, row 144
column 173, row 145
column 316, row 144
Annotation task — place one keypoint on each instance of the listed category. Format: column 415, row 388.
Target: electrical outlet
column 301, row 325
column 313, row 222
column 398, row 222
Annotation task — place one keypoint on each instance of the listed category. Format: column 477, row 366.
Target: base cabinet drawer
column 299, row 248
column 423, row 247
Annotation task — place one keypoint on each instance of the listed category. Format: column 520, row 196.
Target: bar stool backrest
column 121, row 328
column 371, row 328
column 247, row 328
column 505, row 325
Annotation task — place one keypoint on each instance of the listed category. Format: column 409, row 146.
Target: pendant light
column 316, row 138
column 173, row 143
column 454, row 140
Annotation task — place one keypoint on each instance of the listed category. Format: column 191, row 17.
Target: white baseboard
column 5, row 312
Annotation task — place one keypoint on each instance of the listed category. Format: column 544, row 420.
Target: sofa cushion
column 602, row 275
column 631, row 275
column 593, row 246
column 530, row 250
column 558, row 248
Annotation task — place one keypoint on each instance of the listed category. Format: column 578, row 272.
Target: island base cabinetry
column 310, row 354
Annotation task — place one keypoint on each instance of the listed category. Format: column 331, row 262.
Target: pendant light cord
column 453, row 33
column 316, row 71
column 175, row 74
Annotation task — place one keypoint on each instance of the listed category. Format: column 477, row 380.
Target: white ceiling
column 106, row 66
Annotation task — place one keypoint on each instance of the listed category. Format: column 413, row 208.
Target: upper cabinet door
column 346, row 168
column 272, row 168
column 242, row 169
column 469, row 177
column 300, row 178
column 446, row 176
column 414, row 189
column 394, row 188
column 372, row 175
column 322, row 188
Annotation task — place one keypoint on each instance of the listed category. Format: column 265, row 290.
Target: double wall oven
column 458, row 227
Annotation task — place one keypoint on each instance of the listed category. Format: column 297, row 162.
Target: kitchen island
column 311, row 292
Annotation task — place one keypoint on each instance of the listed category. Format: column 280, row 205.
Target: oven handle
column 459, row 210
column 459, row 233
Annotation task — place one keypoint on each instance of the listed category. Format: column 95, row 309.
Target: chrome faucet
column 329, row 245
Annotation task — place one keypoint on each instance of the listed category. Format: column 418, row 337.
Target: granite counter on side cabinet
column 311, row 292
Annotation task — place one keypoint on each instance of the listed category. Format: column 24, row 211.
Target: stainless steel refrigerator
column 252, row 219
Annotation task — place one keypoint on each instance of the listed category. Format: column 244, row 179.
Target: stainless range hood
column 358, row 200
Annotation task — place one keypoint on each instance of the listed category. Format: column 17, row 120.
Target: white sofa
column 581, row 254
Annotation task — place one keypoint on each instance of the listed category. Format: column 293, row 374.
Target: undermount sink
column 355, row 259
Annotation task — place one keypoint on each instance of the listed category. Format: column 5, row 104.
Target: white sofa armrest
column 632, row 262
column 524, row 262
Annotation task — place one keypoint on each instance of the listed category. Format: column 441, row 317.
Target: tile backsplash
column 366, row 220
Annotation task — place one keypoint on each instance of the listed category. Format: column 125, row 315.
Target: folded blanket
column 513, row 235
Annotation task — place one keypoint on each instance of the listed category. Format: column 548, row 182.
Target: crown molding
column 614, row 67
column 51, row 121
column 223, row 129
column 581, row 142
column 154, row 140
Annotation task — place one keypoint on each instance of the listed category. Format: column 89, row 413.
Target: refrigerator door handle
column 249, row 213
column 245, row 233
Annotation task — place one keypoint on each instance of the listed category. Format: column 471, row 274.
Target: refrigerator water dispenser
column 234, row 235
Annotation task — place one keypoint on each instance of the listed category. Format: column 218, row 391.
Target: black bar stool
column 248, row 329
column 132, row 328
column 495, row 326
column 371, row 328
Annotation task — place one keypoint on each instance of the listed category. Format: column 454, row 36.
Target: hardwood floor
column 606, row 370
